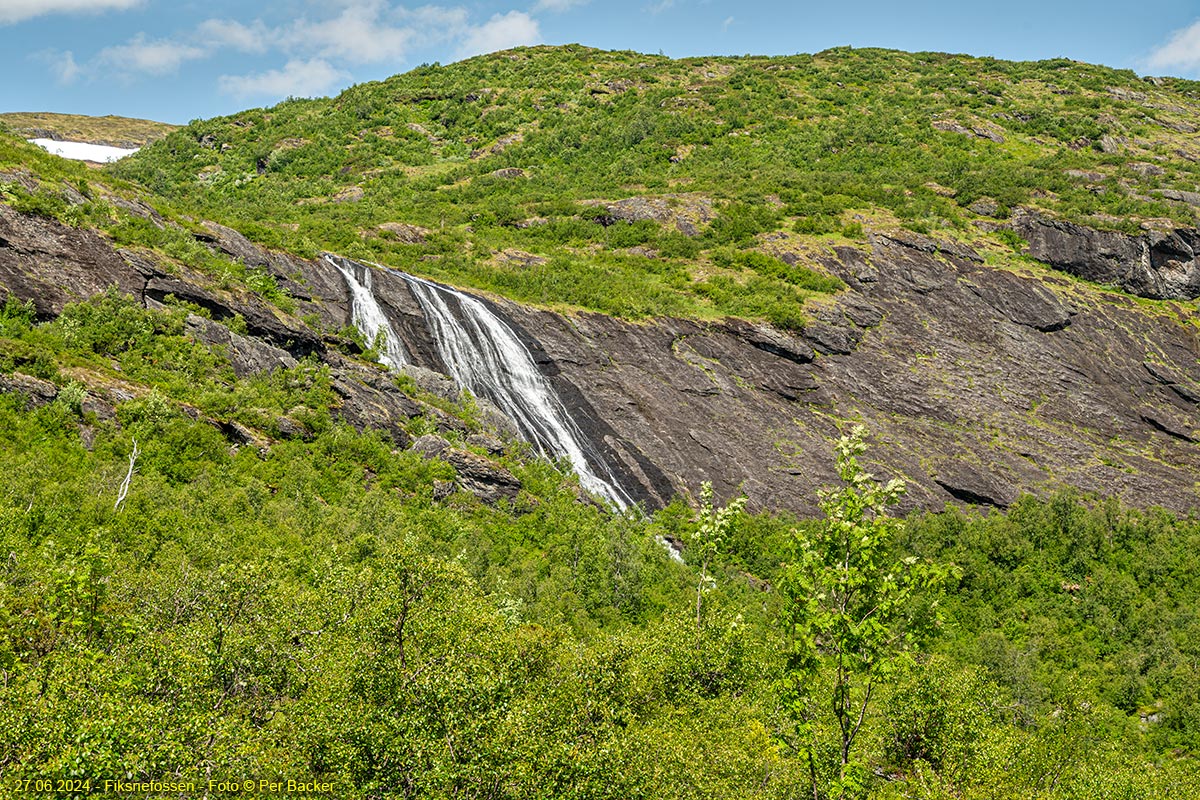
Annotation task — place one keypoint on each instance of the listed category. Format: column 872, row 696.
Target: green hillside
column 503, row 162
column 209, row 573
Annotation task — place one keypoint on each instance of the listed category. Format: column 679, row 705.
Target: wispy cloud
column 557, row 6
column 1181, row 51
column 501, row 32
column 153, row 57
column 319, row 51
column 725, row 25
column 254, row 38
column 19, row 10
column 61, row 63
column 296, row 79
column 361, row 34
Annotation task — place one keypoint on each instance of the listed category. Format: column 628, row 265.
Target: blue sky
column 176, row 60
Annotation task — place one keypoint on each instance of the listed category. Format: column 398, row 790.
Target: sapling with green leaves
column 854, row 611
column 712, row 527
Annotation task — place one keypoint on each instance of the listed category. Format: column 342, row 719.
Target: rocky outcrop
column 687, row 214
column 1155, row 264
column 483, row 478
column 977, row 384
column 35, row 391
column 50, row 264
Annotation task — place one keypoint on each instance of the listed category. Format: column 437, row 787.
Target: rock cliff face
column 1156, row 264
column 976, row 383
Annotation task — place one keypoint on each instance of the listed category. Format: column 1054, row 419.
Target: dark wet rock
column 261, row 319
column 233, row 244
column 860, row 312
column 1021, row 300
column 51, row 265
column 317, row 289
column 770, row 340
column 1032, row 381
column 483, row 478
column 956, row 365
column 1187, row 390
column 371, row 402
column 1172, row 423
column 925, row 244
column 830, row 339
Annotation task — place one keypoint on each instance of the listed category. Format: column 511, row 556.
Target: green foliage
column 852, row 612
column 713, row 526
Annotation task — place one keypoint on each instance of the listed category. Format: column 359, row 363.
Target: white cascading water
column 366, row 313
column 484, row 355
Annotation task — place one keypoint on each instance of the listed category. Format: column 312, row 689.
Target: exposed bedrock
column 1155, row 264
column 977, row 383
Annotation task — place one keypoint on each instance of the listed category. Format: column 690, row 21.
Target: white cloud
column 17, row 10
column 1182, row 51
column 296, row 79
column 501, row 32
column 254, row 38
column 157, row 57
column 361, row 34
column 725, row 25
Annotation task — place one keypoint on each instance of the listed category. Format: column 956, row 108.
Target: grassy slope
column 818, row 145
column 110, row 130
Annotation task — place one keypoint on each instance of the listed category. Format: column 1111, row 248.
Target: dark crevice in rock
column 972, row 497
column 1167, row 428
column 1166, row 378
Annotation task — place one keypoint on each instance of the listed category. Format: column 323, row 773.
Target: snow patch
column 83, row 151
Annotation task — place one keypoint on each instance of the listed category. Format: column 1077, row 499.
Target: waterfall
column 367, row 314
column 483, row 354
